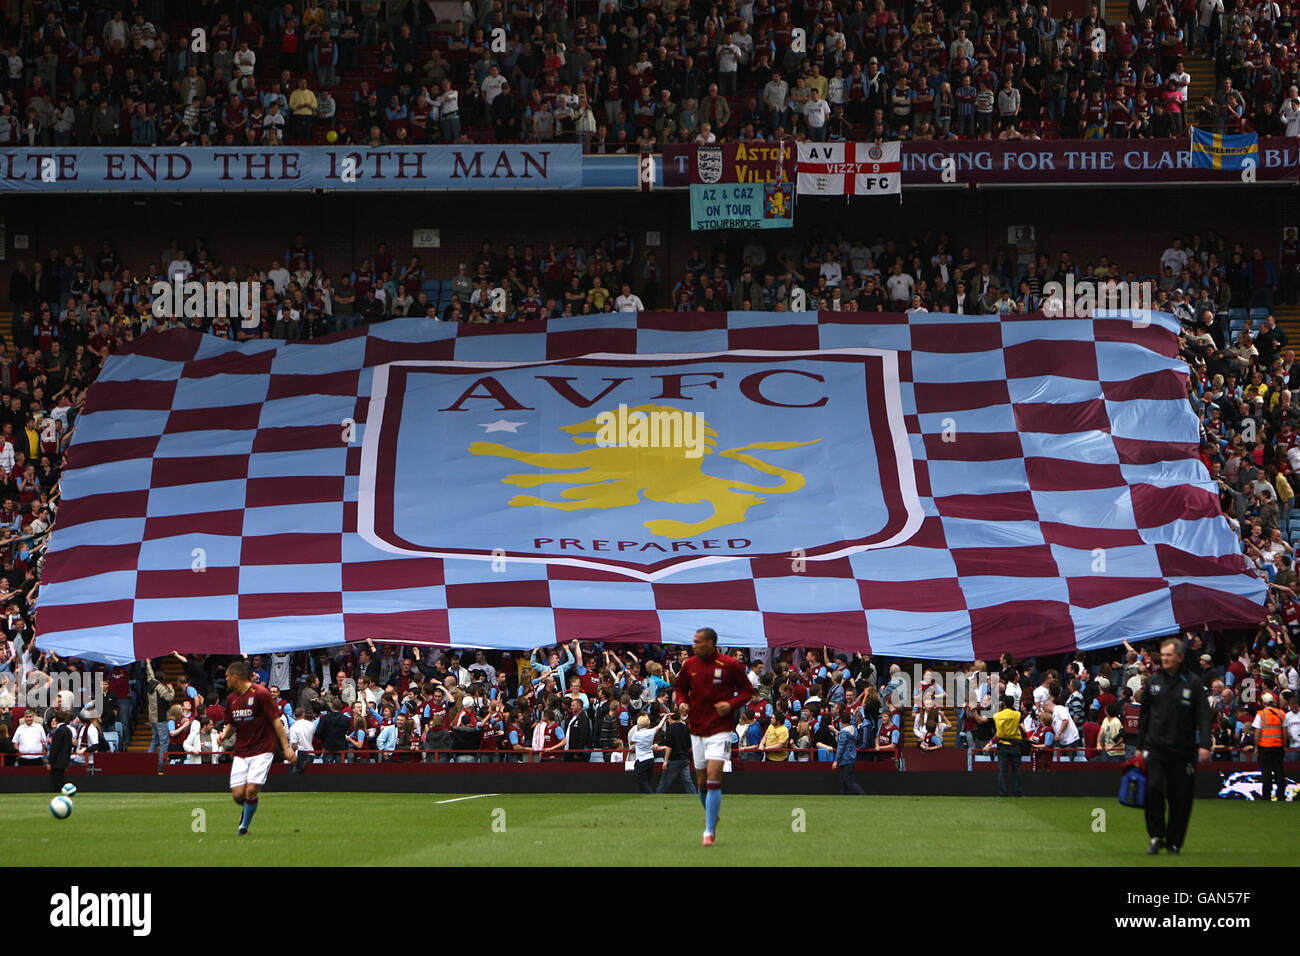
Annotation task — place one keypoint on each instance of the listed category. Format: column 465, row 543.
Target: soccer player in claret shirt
column 252, row 716
column 715, row 688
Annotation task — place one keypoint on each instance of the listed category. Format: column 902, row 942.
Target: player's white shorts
column 713, row 747
column 250, row 770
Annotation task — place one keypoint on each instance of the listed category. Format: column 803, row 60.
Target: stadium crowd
column 621, row 77
column 104, row 301
column 68, row 323
column 592, row 703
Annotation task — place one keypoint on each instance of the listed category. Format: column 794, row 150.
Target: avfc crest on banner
column 753, row 482
column 778, row 201
column 708, row 163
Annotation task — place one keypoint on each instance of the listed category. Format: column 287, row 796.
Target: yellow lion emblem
column 776, row 206
column 616, row 476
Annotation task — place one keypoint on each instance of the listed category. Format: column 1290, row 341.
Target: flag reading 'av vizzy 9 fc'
column 937, row 485
column 850, row 169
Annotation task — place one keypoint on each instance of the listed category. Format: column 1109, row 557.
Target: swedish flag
column 1224, row 151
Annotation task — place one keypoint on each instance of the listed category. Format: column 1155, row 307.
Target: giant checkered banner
column 934, row 485
column 849, row 169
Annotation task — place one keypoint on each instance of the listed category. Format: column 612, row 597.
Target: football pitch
column 351, row 829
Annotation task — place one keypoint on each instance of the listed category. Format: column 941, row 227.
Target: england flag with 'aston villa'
column 849, row 169
column 941, row 486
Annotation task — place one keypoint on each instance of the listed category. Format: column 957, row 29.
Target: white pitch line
column 473, row 797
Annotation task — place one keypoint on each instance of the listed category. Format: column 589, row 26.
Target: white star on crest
column 501, row 425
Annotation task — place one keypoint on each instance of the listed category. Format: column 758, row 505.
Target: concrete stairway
column 1203, row 80
column 1288, row 319
column 169, row 669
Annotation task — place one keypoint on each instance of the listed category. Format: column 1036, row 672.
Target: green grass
column 415, row 830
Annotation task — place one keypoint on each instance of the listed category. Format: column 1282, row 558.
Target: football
column 69, row 790
column 61, row 807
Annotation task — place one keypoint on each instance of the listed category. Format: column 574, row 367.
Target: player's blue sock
column 250, row 807
column 712, row 804
column 703, row 803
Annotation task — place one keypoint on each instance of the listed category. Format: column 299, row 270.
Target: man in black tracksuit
column 1173, row 732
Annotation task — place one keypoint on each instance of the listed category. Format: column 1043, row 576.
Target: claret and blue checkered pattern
column 210, row 502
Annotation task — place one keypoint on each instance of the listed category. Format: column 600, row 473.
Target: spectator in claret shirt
column 548, row 736
column 104, row 343
column 889, row 738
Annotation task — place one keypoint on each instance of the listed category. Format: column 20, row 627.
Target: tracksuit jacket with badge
column 1175, row 716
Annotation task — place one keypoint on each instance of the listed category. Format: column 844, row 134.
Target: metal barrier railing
column 526, row 755
column 1041, row 757
column 1044, row 755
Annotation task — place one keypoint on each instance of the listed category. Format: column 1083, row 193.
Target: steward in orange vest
column 1269, row 742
